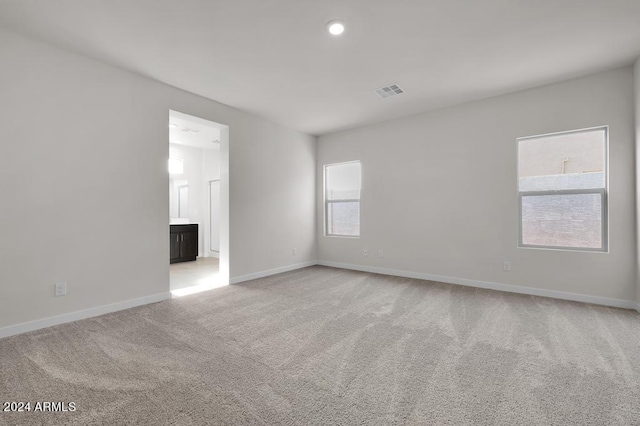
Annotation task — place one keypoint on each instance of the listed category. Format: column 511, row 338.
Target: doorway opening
column 198, row 204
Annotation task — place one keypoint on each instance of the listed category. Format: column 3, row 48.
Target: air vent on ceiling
column 388, row 91
column 188, row 130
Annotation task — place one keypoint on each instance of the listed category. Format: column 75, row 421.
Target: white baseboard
column 618, row 303
column 12, row 330
column 209, row 254
column 24, row 327
column 262, row 274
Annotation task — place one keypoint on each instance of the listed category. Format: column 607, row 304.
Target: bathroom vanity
column 183, row 243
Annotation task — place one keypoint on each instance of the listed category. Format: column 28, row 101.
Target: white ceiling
column 192, row 131
column 275, row 59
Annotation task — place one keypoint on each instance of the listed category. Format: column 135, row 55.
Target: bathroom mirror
column 179, row 200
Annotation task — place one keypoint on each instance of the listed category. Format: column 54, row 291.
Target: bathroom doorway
column 198, row 204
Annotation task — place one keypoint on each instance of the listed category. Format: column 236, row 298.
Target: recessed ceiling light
column 335, row 27
column 173, row 126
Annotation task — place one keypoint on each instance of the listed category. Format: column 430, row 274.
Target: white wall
column 193, row 159
column 439, row 189
column 76, row 133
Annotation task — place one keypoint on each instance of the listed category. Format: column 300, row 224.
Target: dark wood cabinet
column 183, row 243
column 174, row 245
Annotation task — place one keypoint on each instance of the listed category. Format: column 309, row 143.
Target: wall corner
column 636, row 85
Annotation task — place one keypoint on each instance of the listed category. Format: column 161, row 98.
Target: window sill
column 575, row 250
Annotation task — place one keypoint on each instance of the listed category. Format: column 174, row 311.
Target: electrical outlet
column 365, row 252
column 60, row 289
column 380, row 253
column 294, row 251
column 506, row 266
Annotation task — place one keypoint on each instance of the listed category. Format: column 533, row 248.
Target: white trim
column 618, row 303
column 565, row 132
column 262, row 274
column 24, row 327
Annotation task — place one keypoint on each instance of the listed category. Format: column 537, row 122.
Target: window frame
column 604, row 203
column 351, row 200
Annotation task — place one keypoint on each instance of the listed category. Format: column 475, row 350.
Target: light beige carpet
column 324, row 346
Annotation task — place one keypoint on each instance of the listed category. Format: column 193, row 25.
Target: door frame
column 224, row 254
column 211, row 251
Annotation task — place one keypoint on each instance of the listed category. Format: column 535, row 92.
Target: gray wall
column 637, row 158
column 83, row 174
column 439, row 189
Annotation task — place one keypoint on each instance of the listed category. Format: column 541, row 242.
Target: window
column 562, row 190
column 176, row 166
column 342, row 199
